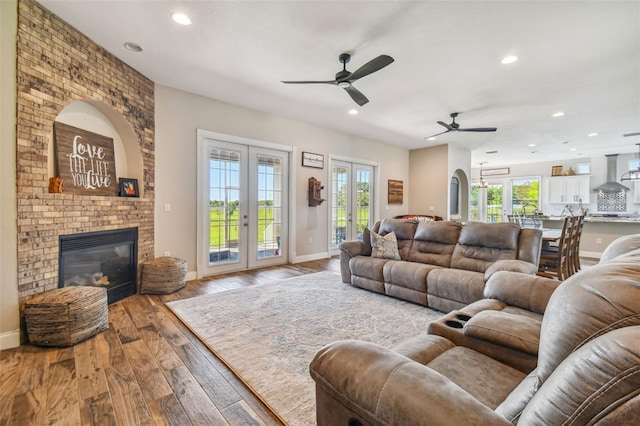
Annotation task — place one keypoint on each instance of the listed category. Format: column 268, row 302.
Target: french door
column 487, row 203
column 351, row 206
column 243, row 206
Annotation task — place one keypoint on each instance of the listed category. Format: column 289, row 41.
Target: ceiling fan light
column 344, row 84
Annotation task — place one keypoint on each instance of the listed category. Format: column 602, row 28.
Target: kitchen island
column 598, row 232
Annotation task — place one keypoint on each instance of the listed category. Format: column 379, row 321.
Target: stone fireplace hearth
column 58, row 66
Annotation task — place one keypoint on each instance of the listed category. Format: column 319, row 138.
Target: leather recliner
column 588, row 367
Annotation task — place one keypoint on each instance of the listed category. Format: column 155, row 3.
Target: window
column 525, row 195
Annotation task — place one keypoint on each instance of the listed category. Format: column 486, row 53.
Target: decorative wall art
column 129, row 187
column 495, row 172
column 395, row 192
column 86, row 161
column 313, row 160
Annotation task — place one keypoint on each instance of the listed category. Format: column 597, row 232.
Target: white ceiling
column 579, row 57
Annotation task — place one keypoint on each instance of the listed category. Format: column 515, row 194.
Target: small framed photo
column 313, row 160
column 129, row 187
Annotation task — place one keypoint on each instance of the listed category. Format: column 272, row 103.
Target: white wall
column 9, row 320
column 179, row 114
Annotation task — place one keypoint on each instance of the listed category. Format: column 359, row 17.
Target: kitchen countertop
column 598, row 219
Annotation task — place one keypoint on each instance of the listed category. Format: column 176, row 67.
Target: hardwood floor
column 147, row 368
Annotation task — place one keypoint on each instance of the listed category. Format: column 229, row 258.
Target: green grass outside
column 218, row 232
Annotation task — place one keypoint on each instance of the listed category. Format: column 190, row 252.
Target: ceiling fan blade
column 478, row 129
column 438, row 134
column 631, row 134
column 356, row 95
column 447, row 126
column 310, row 82
column 372, row 66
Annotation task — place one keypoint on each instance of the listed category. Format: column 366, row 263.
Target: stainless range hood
column 611, row 185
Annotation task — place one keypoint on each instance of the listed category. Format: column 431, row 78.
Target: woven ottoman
column 163, row 275
column 66, row 316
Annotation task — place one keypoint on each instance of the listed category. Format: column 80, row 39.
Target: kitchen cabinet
column 569, row 189
column 636, row 192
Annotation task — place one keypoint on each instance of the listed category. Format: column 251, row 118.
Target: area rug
column 268, row 334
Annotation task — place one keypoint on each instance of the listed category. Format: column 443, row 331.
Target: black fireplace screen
column 100, row 259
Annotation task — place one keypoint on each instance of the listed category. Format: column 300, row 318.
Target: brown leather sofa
column 588, row 363
column 443, row 264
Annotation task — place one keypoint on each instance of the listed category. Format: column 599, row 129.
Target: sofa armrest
column 510, row 265
column 508, row 330
column 349, row 250
column 381, row 387
column 525, row 291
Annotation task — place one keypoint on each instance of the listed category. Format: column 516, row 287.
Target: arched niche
column 459, row 196
column 100, row 118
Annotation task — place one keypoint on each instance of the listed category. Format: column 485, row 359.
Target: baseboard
column 191, row 275
column 10, row 339
column 591, row 254
column 310, row 257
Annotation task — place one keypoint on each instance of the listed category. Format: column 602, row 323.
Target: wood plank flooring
column 147, row 368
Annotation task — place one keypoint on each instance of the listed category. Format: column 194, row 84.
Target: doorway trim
column 202, row 135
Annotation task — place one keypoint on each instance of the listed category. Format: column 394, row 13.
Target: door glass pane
column 269, row 206
column 224, row 202
column 340, row 189
column 363, row 201
column 494, row 203
column 474, row 204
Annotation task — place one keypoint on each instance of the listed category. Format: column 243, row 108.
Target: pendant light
column 482, row 183
column 633, row 175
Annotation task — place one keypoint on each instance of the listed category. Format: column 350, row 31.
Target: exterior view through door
column 243, row 205
column 352, row 195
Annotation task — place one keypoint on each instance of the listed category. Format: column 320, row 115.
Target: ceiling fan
column 455, row 127
column 345, row 78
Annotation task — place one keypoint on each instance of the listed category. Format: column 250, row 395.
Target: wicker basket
column 163, row 275
column 66, row 316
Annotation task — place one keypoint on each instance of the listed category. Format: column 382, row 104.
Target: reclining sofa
column 440, row 264
column 586, row 372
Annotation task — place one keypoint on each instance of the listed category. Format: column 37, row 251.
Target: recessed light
column 558, row 114
column 133, row 47
column 573, row 149
column 431, row 139
column 181, row 18
column 509, row 59
column 531, row 145
column 353, row 111
column 592, row 134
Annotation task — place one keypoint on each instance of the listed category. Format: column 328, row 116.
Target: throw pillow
column 384, row 247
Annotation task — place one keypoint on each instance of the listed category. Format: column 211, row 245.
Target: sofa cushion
column 456, row 285
column 368, row 267
column 384, row 246
column 482, row 244
column 434, row 242
column 404, row 230
column 504, row 329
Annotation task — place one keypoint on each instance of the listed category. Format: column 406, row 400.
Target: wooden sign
column 395, row 192
column 86, row 161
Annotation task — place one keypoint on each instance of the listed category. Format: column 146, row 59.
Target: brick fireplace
column 57, row 65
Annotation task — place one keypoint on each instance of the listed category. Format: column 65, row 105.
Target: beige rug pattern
column 268, row 334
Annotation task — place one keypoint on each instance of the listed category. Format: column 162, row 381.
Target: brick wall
column 56, row 66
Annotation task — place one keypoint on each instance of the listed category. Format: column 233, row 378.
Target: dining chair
column 557, row 263
column 577, row 228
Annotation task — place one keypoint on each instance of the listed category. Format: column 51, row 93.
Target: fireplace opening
column 106, row 259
